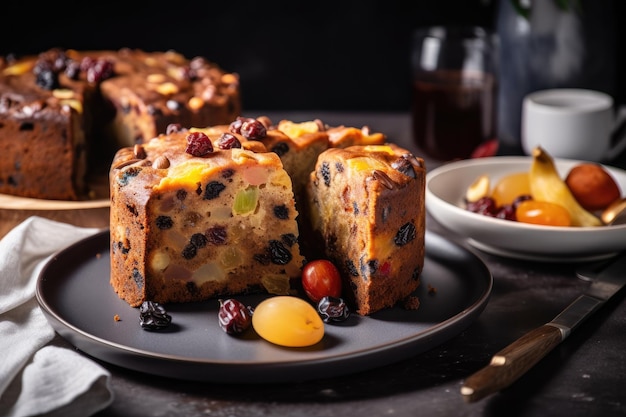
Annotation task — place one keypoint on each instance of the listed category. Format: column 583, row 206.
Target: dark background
column 322, row 55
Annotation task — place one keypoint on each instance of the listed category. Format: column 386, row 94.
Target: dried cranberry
column 227, row 141
column 173, row 128
column 253, row 129
column 234, row 316
column 198, row 144
column 235, row 126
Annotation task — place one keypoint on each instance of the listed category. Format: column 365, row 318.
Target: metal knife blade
column 516, row 359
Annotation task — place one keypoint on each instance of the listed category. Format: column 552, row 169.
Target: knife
column 513, row 361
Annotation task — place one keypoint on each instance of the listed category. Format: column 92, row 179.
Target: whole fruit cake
column 211, row 212
column 63, row 113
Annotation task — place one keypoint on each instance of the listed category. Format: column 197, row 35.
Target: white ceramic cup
column 572, row 123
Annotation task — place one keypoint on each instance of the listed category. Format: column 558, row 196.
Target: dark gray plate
column 74, row 293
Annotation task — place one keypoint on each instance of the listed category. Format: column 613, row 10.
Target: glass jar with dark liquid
column 453, row 91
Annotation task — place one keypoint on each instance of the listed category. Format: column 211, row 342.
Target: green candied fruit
column 246, row 200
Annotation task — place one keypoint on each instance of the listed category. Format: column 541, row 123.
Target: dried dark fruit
column 235, row 126
column 198, row 240
column 280, row 148
column 189, row 251
column 253, row 129
column 213, row 190
column 278, row 253
column 198, row 144
column 404, row 166
column 406, row 234
column 164, row 222
column 152, row 316
column 333, row 309
column 173, row 128
column 281, row 212
column 227, row 141
column 325, row 173
column 234, row 316
column 216, row 235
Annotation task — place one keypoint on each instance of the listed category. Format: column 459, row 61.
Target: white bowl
column 445, row 191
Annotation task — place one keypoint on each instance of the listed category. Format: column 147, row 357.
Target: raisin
column 262, row 258
column 198, row 240
column 278, row 253
column 138, row 278
column 253, row 129
column 406, row 234
column 164, row 222
column 281, row 212
column 404, row 166
column 181, row 194
column 352, row 268
column 227, row 173
column 48, row 79
column 234, row 316
column 325, row 173
column 368, row 268
column 333, row 309
column 339, row 166
column 213, row 190
column 198, row 144
column 227, row 141
column 153, row 316
column 235, row 126
column 189, row 251
column 289, row 239
column 216, row 235
column 280, row 149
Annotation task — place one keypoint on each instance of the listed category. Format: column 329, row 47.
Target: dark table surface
column 584, row 376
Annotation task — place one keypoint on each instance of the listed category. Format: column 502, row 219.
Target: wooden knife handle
column 512, row 362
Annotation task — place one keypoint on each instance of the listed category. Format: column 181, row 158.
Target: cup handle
column 618, row 140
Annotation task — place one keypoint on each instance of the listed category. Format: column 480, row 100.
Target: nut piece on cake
column 367, row 207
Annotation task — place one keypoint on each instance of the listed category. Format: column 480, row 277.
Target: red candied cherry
column 321, row 278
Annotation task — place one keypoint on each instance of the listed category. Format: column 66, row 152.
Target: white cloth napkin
column 37, row 378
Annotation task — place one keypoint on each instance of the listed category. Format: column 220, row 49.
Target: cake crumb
column 411, row 303
column 432, row 290
column 117, row 317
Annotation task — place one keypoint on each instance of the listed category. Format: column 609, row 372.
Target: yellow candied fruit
column 195, row 103
column 75, row 104
column 295, row 130
column 187, row 174
column 231, row 257
column 167, row 89
column 63, row 93
column 160, row 261
column 373, row 138
column 19, row 68
column 360, row 164
column 379, row 148
column 155, row 78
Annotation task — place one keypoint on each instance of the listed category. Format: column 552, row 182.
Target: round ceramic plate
column 445, row 191
column 74, row 293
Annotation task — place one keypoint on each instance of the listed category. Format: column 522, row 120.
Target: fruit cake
column 201, row 213
column 63, row 113
column 367, row 208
